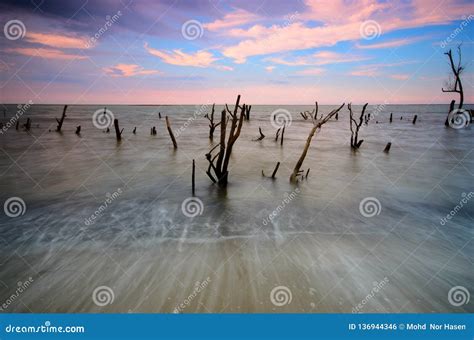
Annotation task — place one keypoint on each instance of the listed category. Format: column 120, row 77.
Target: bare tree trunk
column 61, row 121
column 317, row 125
column 275, row 170
column 355, row 126
column 225, row 149
column 455, row 87
column 168, row 126
column 118, row 132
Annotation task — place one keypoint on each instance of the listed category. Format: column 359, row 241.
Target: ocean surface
column 316, row 239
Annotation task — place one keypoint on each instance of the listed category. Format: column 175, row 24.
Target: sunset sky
column 271, row 52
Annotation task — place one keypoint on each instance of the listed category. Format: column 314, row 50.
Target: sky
column 206, row 51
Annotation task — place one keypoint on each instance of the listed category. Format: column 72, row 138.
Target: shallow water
column 317, row 243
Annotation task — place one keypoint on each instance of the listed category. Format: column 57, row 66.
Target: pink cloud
column 128, row 70
column 389, row 44
column 177, row 57
column 319, row 58
column 269, row 68
column 56, row 40
column 373, row 70
column 400, row 76
column 366, row 72
column 311, row 72
column 233, row 19
column 47, row 53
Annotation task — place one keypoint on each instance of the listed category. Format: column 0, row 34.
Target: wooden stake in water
column 168, row 126
column 387, row 147
column 193, row 176
column 61, row 121
column 414, row 119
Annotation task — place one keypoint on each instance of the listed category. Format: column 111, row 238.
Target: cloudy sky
column 271, row 52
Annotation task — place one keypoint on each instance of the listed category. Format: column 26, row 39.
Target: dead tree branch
column 317, row 124
column 212, row 125
column 168, row 126
column 355, row 126
column 61, row 121
column 455, row 85
column 118, row 132
column 220, row 168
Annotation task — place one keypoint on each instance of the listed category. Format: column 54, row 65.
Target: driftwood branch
column 316, row 127
column 61, row 121
column 222, row 159
column 168, row 126
column 355, row 126
column 262, row 136
column 455, row 86
column 212, row 125
column 118, row 132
